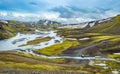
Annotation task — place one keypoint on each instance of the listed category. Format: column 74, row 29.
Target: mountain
column 111, row 26
column 86, row 25
column 9, row 28
column 47, row 22
column 104, row 36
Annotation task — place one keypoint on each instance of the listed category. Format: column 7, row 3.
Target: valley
column 61, row 50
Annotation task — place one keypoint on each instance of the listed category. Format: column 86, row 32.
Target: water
column 19, row 39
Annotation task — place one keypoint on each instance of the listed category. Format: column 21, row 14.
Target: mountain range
column 109, row 25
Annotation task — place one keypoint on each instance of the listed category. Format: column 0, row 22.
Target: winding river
column 19, row 39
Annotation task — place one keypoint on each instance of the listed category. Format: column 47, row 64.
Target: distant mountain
column 47, row 22
column 111, row 26
column 86, row 25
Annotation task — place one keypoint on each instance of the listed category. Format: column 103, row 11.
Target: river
column 20, row 39
column 14, row 43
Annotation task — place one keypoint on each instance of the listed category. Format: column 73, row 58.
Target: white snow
column 101, row 64
column 115, row 72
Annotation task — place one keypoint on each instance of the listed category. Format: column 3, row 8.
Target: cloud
column 3, row 13
column 65, row 11
column 55, row 3
column 56, row 16
column 33, row 3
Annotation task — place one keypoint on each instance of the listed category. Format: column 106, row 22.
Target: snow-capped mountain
column 86, row 24
column 47, row 22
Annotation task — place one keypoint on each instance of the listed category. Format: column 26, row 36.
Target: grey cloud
column 33, row 3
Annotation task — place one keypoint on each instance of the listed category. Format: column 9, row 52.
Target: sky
column 64, row 11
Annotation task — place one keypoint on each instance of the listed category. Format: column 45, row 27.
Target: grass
column 20, row 60
column 112, row 65
column 101, row 38
column 109, row 65
column 115, row 40
column 28, row 66
column 113, row 49
column 44, row 68
column 27, row 58
column 6, row 35
column 36, row 41
column 57, row 49
column 10, row 30
column 110, row 41
column 12, row 59
column 115, row 56
column 110, row 27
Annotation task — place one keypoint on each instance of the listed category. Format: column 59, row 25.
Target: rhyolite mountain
column 109, row 25
column 47, row 22
column 86, row 25
column 9, row 28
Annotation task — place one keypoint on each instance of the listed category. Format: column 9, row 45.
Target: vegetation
column 11, row 56
column 101, row 38
column 37, row 41
column 110, row 27
column 29, row 63
column 107, row 65
column 115, row 40
column 28, row 66
column 57, row 49
column 115, row 56
column 10, row 29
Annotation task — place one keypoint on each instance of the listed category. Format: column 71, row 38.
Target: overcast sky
column 65, row 11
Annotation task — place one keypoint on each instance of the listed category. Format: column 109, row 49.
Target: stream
column 20, row 39
column 14, row 43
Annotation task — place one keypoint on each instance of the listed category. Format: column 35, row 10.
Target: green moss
column 115, row 56
column 57, row 49
column 109, row 64
column 101, row 38
column 113, row 49
column 28, row 66
column 110, row 27
column 93, row 34
column 115, row 40
column 12, row 28
column 31, row 62
column 27, row 58
column 37, row 41
column 112, row 65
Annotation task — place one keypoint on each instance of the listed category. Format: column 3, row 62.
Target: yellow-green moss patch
column 57, row 48
column 101, row 38
column 115, row 41
column 37, row 41
column 115, row 56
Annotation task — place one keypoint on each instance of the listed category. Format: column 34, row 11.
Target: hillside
column 101, row 38
column 10, row 28
column 89, row 42
column 109, row 27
